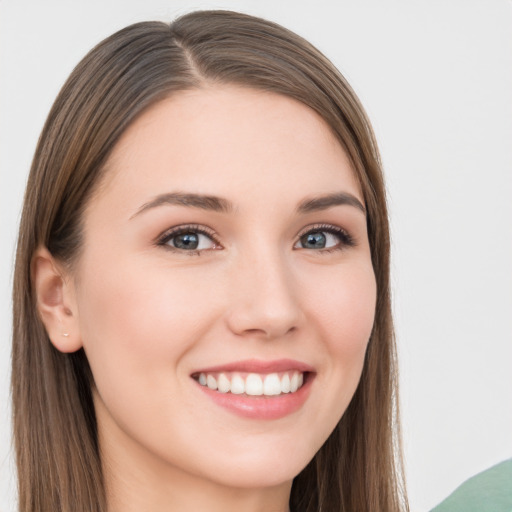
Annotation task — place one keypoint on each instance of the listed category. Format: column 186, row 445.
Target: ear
column 55, row 301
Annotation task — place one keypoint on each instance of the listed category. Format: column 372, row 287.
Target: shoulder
column 489, row 491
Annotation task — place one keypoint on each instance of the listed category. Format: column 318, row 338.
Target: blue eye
column 324, row 237
column 188, row 239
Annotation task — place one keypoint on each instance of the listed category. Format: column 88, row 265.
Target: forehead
column 229, row 141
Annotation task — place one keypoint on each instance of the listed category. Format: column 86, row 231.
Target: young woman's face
column 226, row 247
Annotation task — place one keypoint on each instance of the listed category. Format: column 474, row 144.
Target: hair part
column 58, row 457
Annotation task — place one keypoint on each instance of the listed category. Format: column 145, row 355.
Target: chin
column 264, row 475
column 259, row 469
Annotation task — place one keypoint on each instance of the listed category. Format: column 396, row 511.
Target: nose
column 264, row 298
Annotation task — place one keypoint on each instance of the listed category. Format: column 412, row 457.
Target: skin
column 148, row 315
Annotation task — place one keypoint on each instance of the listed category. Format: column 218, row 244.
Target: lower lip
column 262, row 407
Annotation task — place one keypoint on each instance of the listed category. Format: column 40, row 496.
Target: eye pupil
column 316, row 240
column 186, row 241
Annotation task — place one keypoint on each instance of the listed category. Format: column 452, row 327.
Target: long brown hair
column 58, row 460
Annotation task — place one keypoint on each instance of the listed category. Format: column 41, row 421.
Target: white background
column 436, row 80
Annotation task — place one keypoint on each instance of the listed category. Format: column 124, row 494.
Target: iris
column 315, row 240
column 186, row 241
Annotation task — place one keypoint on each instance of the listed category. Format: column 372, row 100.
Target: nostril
column 272, row 331
column 263, row 321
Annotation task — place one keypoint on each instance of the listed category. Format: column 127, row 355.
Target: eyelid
column 164, row 237
column 346, row 239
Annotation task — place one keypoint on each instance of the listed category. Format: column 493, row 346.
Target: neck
column 136, row 490
column 135, row 494
column 137, row 480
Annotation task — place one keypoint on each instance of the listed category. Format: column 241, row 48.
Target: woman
column 201, row 299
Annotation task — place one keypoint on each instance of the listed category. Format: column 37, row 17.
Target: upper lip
column 259, row 366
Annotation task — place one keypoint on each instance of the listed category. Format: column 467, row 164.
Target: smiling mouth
column 253, row 384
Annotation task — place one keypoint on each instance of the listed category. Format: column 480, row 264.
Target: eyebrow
column 219, row 204
column 327, row 201
column 212, row 203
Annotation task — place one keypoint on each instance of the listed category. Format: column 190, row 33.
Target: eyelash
column 163, row 239
column 346, row 240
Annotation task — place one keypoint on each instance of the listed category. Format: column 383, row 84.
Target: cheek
column 341, row 311
column 344, row 313
column 346, row 309
column 137, row 320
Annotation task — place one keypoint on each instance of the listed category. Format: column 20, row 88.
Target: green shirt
column 490, row 491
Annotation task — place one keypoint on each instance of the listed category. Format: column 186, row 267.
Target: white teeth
column 253, row 384
column 224, row 385
column 237, row 385
column 294, row 383
column 272, row 385
column 211, row 382
column 285, row 383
